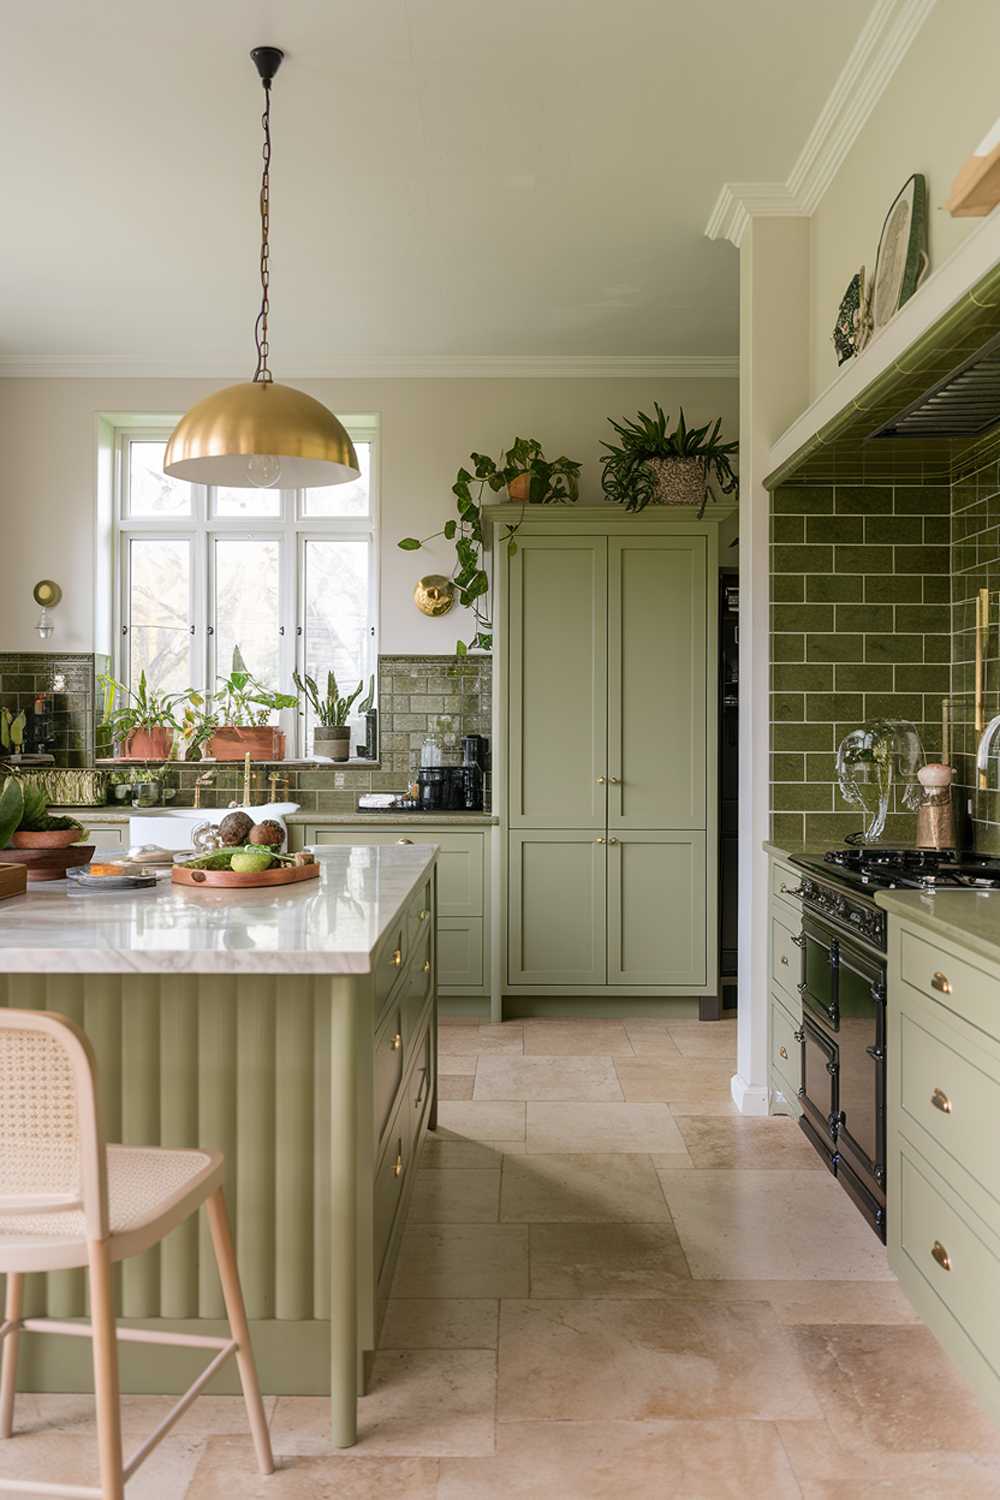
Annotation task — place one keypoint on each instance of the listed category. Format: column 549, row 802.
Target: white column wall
column 774, row 388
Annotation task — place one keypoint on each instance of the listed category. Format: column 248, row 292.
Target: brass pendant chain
column 263, row 372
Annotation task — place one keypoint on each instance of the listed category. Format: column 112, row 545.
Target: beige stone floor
column 612, row 1286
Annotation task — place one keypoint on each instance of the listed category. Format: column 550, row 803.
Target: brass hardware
column 614, row 781
column 397, row 1042
column 423, row 915
column 276, row 781
column 397, row 957
column 799, row 1035
column 434, row 595
column 397, row 1166
column 404, row 841
column 941, row 1255
column 601, row 780
column 205, row 779
column 940, row 982
column 982, row 627
column 427, row 966
column 940, row 1101
column 784, row 959
column 246, row 780
column 788, row 891
column 598, row 841
column 612, row 841
column 782, row 1052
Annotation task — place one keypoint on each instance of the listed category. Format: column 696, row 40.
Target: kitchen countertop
column 969, row 918
column 111, row 814
column 328, row 926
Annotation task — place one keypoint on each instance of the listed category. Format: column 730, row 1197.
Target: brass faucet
column 247, row 776
column 276, row 781
column 205, row 779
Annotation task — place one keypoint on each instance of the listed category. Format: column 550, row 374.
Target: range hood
column 965, row 403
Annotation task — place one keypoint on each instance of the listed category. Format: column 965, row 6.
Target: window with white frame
column 289, row 576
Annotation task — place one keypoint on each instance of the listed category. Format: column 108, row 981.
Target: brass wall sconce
column 434, row 595
column 47, row 594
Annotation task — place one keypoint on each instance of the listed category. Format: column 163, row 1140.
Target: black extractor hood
column 965, row 403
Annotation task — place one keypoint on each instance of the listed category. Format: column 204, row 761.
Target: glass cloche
column 871, row 761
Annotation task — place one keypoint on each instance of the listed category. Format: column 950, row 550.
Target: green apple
column 251, row 861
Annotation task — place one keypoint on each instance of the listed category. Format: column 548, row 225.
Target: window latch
column 191, row 629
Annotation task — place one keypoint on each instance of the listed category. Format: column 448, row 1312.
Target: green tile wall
column 67, row 681
column 975, row 561
column 860, row 629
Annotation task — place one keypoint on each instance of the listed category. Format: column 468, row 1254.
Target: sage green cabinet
column 607, row 760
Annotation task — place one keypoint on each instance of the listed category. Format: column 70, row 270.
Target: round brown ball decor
column 268, row 832
column 236, row 828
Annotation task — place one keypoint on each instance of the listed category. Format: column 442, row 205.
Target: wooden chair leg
column 102, row 1317
column 8, row 1370
column 225, row 1259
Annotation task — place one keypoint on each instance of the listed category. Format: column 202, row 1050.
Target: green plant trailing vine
column 627, row 478
column 550, row 482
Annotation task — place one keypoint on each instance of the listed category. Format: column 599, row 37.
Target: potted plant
column 526, row 475
column 142, row 725
column 332, row 734
column 25, row 822
column 242, row 717
column 652, row 465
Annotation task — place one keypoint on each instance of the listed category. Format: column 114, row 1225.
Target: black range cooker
column 843, row 989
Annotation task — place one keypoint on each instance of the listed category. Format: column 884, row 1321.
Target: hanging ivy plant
column 547, row 483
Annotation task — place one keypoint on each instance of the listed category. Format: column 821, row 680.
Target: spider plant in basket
column 652, row 465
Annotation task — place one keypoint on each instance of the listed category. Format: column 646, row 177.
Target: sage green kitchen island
column 294, row 1029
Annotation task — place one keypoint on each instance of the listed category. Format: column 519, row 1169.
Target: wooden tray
column 13, row 880
column 49, row 864
column 284, row 875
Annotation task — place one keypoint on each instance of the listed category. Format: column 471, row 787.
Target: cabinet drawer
column 786, row 965
column 784, row 882
column 388, row 1191
column 952, row 982
column 418, row 913
column 953, row 1253
column 416, row 991
column 786, row 1050
column 461, row 858
column 952, row 1099
column 388, row 1067
column 390, row 961
column 106, row 835
column 460, row 952
column 420, row 1083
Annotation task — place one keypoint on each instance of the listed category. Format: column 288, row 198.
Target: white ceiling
column 450, row 177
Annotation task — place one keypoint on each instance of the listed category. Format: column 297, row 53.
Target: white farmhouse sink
column 172, row 830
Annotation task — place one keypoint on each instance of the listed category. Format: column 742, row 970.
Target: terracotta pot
column 46, row 838
column 232, row 742
column 520, row 488
column 148, row 744
column 333, row 740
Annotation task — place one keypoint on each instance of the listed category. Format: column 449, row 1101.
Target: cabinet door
column 659, row 676
column 656, row 909
column 558, row 682
column 557, row 907
column 461, row 858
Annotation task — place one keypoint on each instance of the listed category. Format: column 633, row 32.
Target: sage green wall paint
column 860, row 629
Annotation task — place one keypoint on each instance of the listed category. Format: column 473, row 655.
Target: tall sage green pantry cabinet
column 607, row 684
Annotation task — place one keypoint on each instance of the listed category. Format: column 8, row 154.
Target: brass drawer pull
column 941, row 983
column 787, row 890
column 397, row 957
column 397, row 1166
column 423, row 915
column 598, row 841
column 941, row 1255
column 783, row 1052
column 940, row 1101
column 613, row 781
column 404, row 841
column 396, row 1042
column 427, row 966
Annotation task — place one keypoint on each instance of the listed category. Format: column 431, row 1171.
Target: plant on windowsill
column 142, row 724
column 242, row 709
column 332, row 733
column 528, row 476
column 653, row 466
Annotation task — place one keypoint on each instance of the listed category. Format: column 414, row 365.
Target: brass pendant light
column 259, row 434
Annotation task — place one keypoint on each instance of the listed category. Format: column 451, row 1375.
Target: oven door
column 861, row 1041
column 820, row 986
column 819, row 1093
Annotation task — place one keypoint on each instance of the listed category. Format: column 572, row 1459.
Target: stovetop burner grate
column 923, row 869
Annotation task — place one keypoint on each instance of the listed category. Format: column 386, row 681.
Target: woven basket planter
column 677, row 481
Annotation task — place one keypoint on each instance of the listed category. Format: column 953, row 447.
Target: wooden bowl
column 49, row 838
column 283, row 875
column 49, row 864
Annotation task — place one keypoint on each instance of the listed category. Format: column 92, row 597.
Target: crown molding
column 377, row 367
column 880, row 48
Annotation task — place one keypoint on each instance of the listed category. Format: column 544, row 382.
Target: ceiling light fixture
column 259, row 434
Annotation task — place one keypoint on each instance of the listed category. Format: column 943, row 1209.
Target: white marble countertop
column 328, row 926
column 969, row 918
column 121, row 813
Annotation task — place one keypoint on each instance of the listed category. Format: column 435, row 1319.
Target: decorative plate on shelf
column 853, row 326
column 902, row 260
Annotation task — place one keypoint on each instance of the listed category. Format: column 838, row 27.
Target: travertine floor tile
column 423, row 1403
column 826, row 1470
column 772, row 1142
column 577, row 1188
column 651, row 1039
column 441, row 1323
column 455, row 1085
column 799, row 1303
column 456, row 1196
column 71, row 1458
column 763, row 1225
column 606, row 1260
column 482, row 1120
column 718, row 1101
column 442, row 1148
column 476, row 1040
column 456, row 1064
column 568, row 1038
column 463, row 1260
column 721, row 1460
column 599, row 1128
column 666, row 1080
column 893, row 1390
column 582, row 1079
column 705, row 1038
column 221, row 1475
column 72, row 1413
column 641, row 1359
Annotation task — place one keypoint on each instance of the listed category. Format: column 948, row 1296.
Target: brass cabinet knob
column 427, row 966
column 940, row 982
column 940, row 1101
column 941, row 1255
column 423, row 915
column 397, row 957
column 404, row 841
column 598, row 841
column 783, row 1052
column 602, row 780
column 613, row 781
column 612, row 841
column 396, row 1042
column 397, row 1166
column 784, row 959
